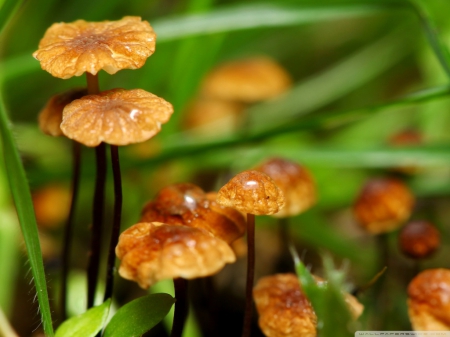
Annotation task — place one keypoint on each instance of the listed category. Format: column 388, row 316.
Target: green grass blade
column 7, row 11
column 24, row 206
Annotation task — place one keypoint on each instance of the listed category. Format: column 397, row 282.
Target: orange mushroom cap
column 429, row 300
column 116, row 116
column 150, row 252
column 50, row 117
column 71, row 49
column 383, row 205
column 249, row 80
column 419, row 239
column 296, row 183
column 252, row 192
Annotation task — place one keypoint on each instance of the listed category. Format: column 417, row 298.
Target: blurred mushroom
column 251, row 192
column 51, row 205
column 383, row 205
column 251, row 80
column 187, row 204
column 419, row 239
column 428, row 300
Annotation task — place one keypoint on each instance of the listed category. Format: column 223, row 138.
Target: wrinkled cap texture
column 188, row 205
column 383, row 205
column 71, row 49
column 252, row 192
column 117, row 117
column 296, row 183
column 248, row 81
column 150, row 252
column 50, row 117
column 419, row 239
column 429, row 300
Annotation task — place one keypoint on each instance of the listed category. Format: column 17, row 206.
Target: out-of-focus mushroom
column 250, row 80
column 251, row 192
column 285, row 311
column 419, row 239
column 150, row 252
column 296, row 183
column 187, row 204
column 51, row 205
column 428, row 300
column 383, row 205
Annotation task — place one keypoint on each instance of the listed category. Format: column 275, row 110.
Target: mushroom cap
column 296, row 183
column 419, row 239
column 51, row 205
column 188, row 205
column 116, row 116
column 71, row 49
column 284, row 310
column 249, row 80
column 383, row 205
column 150, row 252
column 429, row 300
column 50, row 117
column 252, row 192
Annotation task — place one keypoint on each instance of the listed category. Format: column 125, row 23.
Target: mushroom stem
column 250, row 275
column 92, row 84
column 116, row 222
column 181, row 306
column 76, row 152
column 284, row 262
column 97, row 222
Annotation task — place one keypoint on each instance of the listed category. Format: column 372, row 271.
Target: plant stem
column 250, row 275
column 116, row 222
column 92, row 84
column 181, row 306
column 76, row 152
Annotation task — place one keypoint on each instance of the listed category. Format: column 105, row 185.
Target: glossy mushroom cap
column 117, row 117
column 150, row 252
column 71, row 49
column 249, row 81
column 296, row 183
column 284, row 310
column 429, row 300
column 419, row 239
column 383, row 205
column 50, row 117
column 252, row 192
column 188, row 205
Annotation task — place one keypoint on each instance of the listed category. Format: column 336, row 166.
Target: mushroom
column 285, row 311
column 254, row 193
column 249, row 81
column 154, row 251
column 419, row 239
column 428, row 300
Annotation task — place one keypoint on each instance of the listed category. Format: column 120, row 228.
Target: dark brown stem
column 67, row 244
column 181, row 306
column 97, row 223
column 92, row 84
column 250, row 275
column 116, row 222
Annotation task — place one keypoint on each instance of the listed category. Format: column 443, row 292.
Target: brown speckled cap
column 419, row 239
column 250, row 80
column 383, row 205
column 296, row 183
column 252, row 192
column 50, row 117
column 116, row 116
column 429, row 300
column 187, row 204
column 150, row 252
column 71, row 49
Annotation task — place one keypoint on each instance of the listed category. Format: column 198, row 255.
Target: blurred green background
column 362, row 71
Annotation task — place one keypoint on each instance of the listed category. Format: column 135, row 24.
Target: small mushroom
column 251, row 192
column 383, row 205
column 419, row 239
column 250, row 80
column 51, row 205
column 428, row 300
column 296, row 183
column 150, row 252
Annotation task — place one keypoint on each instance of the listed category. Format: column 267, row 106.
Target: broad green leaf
column 88, row 324
column 139, row 316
